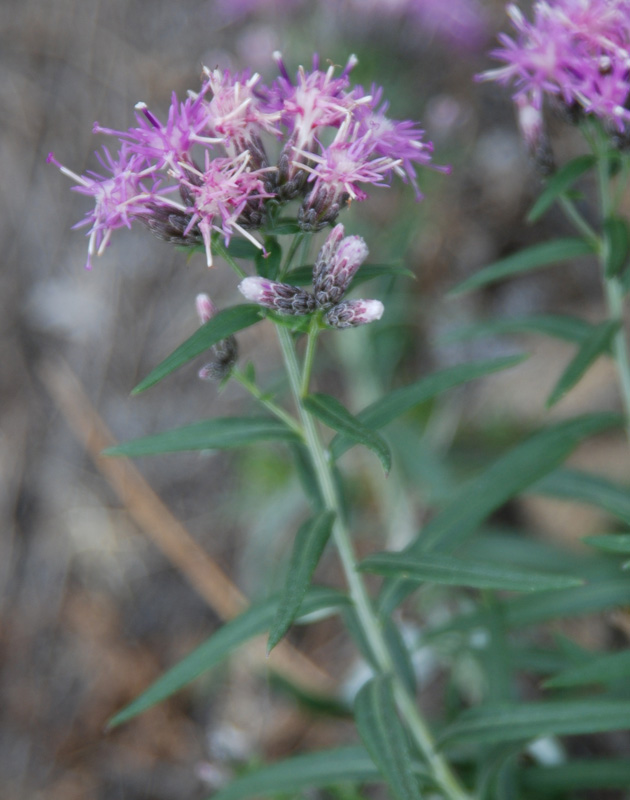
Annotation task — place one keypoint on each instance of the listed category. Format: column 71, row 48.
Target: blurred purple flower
column 576, row 51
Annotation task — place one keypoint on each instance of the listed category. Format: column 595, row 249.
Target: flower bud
column 351, row 313
column 334, row 278
column 280, row 297
column 224, row 352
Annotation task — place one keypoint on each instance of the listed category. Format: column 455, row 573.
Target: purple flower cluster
column 206, row 170
column 576, row 52
column 335, row 266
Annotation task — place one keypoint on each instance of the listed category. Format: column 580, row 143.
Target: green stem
column 612, row 285
column 578, row 220
column 442, row 774
column 266, row 402
column 295, row 244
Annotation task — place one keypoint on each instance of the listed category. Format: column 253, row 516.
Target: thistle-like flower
column 574, row 51
column 331, row 280
column 280, row 297
column 352, row 313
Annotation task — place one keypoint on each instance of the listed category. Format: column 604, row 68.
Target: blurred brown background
column 92, row 610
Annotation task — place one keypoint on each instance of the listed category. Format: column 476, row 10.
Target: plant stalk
column 440, row 769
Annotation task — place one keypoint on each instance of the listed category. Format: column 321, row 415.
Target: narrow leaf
column 562, row 180
column 571, row 329
column 540, row 255
column 250, row 623
column 385, row 738
column 603, row 669
column 313, row 770
column 583, row 487
column 457, row 572
column 590, row 350
column 309, row 544
column 237, row 248
column 610, row 542
column 221, row 433
column 396, row 403
column 511, row 722
column 224, row 324
column 616, row 245
column 605, row 773
column 268, row 262
column 330, row 411
column 505, row 478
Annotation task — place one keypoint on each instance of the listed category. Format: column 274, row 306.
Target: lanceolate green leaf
column 559, row 183
column 594, row 596
column 610, row 542
column 433, row 568
column 572, row 329
column 396, row 403
column 224, row 324
column 599, row 669
column 254, row 621
column 582, row 487
column 605, row 773
column 540, row 255
column 330, row 411
column 312, row 770
column 512, row 722
column 221, row 433
column 309, row 544
column 616, row 245
column 593, row 347
column 385, row 738
column 505, row 478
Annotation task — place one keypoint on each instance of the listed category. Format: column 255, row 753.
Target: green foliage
column 308, row 547
column 532, row 258
column 384, row 737
column 558, row 184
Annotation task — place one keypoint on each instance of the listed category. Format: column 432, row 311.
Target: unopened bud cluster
column 335, row 266
column 224, row 353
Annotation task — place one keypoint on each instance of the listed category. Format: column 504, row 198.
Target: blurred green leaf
column 308, row 547
column 571, row 329
column 610, row 542
column 583, row 487
column 224, row 324
column 616, row 245
column 220, row 433
column 507, row 477
column 399, row 401
column 268, row 262
column 237, row 248
column 333, row 414
column 510, row 722
column 384, row 737
column 312, row 770
column 285, row 226
column 605, row 773
column 457, row 572
column 598, row 343
column 599, row 669
column 253, row 621
column 559, row 183
column 535, row 257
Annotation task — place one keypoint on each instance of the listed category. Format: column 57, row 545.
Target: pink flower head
column 281, row 297
column 118, row 199
column 399, row 140
column 331, row 282
column 352, row 313
column 235, row 113
column 575, row 50
column 317, row 100
column 220, row 194
column 168, row 145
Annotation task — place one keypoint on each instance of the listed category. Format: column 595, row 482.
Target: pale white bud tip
column 373, row 310
column 252, row 288
column 205, row 308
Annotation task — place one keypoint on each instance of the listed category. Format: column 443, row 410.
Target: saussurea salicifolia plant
column 203, row 180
